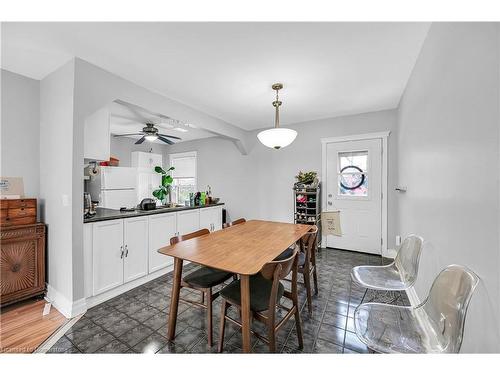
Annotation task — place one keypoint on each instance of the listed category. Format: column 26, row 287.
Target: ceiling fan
column 150, row 133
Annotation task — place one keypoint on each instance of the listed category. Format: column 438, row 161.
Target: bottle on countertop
column 203, row 198
column 197, row 199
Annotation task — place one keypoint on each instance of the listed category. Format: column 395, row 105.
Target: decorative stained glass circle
column 351, row 177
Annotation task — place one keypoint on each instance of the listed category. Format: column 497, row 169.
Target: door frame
column 359, row 137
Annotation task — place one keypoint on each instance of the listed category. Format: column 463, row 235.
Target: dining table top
column 242, row 249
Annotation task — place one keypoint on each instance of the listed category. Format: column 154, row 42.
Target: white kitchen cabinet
column 97, row 136
column 135, row 246
column 148, row 160
column 188, row 221
column 87, row 259
column 211, row 218
column 107, row 255
column 162, row 227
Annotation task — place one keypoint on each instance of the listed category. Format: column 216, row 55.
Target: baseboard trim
column 68, row 308
column 100, row 298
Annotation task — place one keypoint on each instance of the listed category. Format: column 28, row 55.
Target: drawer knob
column 15, row 267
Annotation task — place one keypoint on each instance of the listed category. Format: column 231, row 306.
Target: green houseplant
column 164, row 189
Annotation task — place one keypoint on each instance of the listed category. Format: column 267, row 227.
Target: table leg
column 245, row 312
column 174, row 300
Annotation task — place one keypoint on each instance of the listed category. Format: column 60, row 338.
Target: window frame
column 181, row 155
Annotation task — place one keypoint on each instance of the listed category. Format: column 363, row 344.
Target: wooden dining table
column 242, row 249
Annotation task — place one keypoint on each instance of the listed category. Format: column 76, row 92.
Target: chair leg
column 307, row 282
column 209, row 316
column 271, row 336
column 223, row 312
column 315, row 278
column 298, row 322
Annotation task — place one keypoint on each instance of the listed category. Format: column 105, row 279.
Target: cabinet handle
column 126, row 251
column 121, row 250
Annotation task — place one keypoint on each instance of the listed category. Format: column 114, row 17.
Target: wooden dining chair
column 236, row 222
column 306, row 262
column 203, row 280
column 266, row 291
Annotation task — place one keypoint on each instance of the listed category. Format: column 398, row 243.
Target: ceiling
column 128, row 118
column 226, row 69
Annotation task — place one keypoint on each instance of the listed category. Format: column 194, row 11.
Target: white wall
column 20, row 130
column 123, row 147
column 258, row 185
column 448, row 157
column 56, row 184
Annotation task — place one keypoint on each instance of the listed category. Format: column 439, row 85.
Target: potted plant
column 163, row 193
column 306, row 178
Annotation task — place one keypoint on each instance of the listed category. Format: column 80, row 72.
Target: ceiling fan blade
column 140, row 140
column 170, row 136
column 168, row 141
column 126, row 135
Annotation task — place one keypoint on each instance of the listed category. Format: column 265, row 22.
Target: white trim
column 66, row 307
column 100, row 298
column 358, row 137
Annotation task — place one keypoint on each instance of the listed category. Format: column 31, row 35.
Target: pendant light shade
column 277, row 137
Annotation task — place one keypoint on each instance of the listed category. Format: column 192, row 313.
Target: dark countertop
column 110, row 214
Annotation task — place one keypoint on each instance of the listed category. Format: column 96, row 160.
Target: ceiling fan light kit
column 277, row 137
column 150, row 133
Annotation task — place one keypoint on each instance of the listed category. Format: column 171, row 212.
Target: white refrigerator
column 115, row 187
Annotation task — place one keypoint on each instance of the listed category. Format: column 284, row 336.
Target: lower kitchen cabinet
column 107, row 255
column 211, row 218
column 162, row 227
column 135, row 247
column 188, row 221
column 125, row 251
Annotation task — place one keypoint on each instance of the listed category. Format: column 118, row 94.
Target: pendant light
column 277, row 137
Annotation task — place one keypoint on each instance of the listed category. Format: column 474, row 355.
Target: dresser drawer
column 8, row 221
column 22, row 203
column 14, row 213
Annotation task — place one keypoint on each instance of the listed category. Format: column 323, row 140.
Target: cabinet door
column 107, row 255
column 96, row 138
column 206, row 218
column 135, row 242
column 87, row 259
column 188, row 221
column 217, row 217
column 162, row 227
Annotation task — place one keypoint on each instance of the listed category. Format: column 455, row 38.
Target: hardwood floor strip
column 23, row 327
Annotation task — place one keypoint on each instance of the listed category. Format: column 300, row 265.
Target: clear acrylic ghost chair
column 434, row 326
column 397, row 276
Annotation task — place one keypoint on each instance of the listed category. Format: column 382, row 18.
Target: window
column 353, row 174
column 184, row 175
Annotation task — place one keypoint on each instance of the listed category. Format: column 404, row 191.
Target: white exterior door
column 162, row 227
column 135, row 242
column 188, row 221
column 107, row 255
column 354, row 187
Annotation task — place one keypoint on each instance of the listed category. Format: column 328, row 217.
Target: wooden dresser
column 22, row 250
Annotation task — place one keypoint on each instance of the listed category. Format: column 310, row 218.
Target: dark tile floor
column 135, row 322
